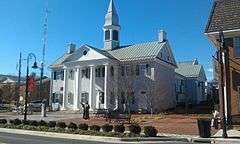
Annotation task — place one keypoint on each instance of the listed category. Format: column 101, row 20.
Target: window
column 84, row 97
column 70, row 98
column 237, row 46
column 137, row 70
column 98, row 72
column 57, row 98
column 71, row 74
column 86, row 73
column 147, row 69
column 55, row 75
column 103, row 71
column 131, row 97
column 115, row 35
column 85, row 52
column 62, row 75
column 123, row 99
column 112, row 98
column 107, row 35
column 101, row 97
column 122, row 70
column 128, row 70
column 112, row 71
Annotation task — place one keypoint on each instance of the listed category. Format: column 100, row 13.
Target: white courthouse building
column 140, row 76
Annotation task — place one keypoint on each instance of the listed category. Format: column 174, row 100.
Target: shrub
column 61, row 125
column 150, row 131
column 16, row 122
column 42, row 123
column 33, row 123
column 120, row 128
column 134, row 129
column 95, row 128
column 3, row 121
column 107, row 128
column 52, row 124
column 83, row 126
column 26, row 122
column 72, row 126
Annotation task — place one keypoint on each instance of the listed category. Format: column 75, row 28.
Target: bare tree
column 8, row 93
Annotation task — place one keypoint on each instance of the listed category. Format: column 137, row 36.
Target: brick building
column 225, row 17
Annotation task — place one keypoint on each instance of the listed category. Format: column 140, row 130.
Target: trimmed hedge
column 61, row 125
column 16, row 122
column 3, row 121
column 26, row 122
column 52, row 124
column 120, row 128
column 95, row 128
column 42, row 123
column 107, row 128
column 83, row 127
column 150, row 131
column 134, row 129
column 72, row 126
column 33, row 123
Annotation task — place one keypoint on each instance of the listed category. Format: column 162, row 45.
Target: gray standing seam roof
column 143, row 51
column 188, row 69
column 138, row 51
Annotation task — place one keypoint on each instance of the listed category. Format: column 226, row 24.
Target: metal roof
column 142, row 51
column 191, row 69
column 137, row 52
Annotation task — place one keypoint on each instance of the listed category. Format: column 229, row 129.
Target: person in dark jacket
column 86, row 108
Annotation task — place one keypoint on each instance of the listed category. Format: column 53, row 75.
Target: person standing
column 87, row 107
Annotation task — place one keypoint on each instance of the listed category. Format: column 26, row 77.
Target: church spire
column 111, row 28
column 111, row 17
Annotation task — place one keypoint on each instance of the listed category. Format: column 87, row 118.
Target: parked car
column 35, row 106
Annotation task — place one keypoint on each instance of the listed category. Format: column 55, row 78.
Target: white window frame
column 236, row 46
column 70, row 100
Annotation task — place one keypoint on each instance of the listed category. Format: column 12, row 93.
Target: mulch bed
column 172, row 124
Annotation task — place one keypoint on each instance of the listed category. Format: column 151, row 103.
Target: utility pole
column 19, row 78
column 44, row 49
column 223, row 79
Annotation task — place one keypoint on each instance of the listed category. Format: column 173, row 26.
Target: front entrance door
column 101, row 99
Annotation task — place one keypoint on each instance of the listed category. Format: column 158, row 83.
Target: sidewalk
column 233, row 138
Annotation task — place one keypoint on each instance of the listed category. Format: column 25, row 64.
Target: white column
column 65, row 81
column 76, row 92
column 92, row 98
column 105, row 87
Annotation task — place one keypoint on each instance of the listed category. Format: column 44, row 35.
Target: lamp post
column 30, row 55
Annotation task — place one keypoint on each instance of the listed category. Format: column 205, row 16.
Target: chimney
column 162, row 36
column 71, row 48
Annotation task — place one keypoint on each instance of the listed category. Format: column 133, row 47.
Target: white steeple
column 111, row 28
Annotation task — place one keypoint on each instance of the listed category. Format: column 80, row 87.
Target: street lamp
column 30, row 55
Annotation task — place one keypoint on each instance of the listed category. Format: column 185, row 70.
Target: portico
column 85, row 76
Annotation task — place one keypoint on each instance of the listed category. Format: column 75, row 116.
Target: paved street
column 6, row 138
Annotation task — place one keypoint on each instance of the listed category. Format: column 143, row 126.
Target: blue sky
column 81, row 21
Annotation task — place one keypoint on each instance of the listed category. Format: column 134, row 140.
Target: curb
column 153, row 139
column 91, row 138
column 216, row 140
